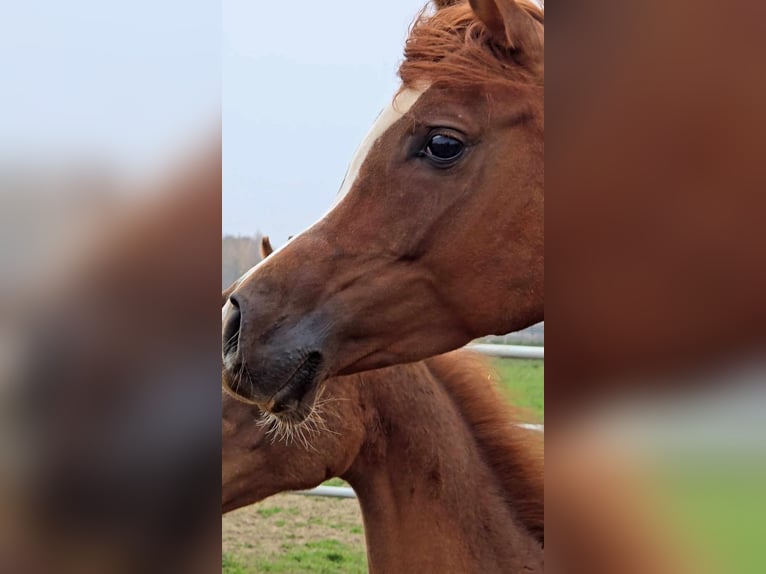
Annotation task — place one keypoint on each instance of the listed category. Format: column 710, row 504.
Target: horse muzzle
column 278, row 368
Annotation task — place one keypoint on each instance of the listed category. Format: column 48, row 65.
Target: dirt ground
column 260, row 530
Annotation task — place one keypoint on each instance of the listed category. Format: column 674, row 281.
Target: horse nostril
column 231, row 327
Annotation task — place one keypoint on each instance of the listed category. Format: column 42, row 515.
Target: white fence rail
column 504, row 351
column 331, row 491
column 509, row 351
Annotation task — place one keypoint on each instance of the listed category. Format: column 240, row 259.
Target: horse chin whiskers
column 291, row 428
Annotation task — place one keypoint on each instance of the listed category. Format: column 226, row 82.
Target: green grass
column 268, row 511
column 231, row 565
column 522, row 382
column 720, row 508
column 321, row 557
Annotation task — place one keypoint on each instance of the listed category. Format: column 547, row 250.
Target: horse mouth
column 293, row 400
column 299, row 388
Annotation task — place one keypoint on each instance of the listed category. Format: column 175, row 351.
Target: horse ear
column 445, row 3
column 510, row 25
column 266, row 248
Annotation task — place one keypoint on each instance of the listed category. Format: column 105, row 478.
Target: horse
column 451, row 172
column 446, row 482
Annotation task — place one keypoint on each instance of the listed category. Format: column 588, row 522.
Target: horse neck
column 430, row 502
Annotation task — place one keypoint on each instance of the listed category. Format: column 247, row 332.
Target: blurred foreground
column 655, row 277
column 110, row 194
column 110, row 451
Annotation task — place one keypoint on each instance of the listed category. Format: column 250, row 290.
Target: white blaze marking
column 388, row 117
column 400, row 105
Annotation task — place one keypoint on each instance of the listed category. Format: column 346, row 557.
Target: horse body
column 437, row 235
column 445, row 482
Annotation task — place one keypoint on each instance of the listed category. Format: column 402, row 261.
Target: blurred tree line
column 238, row 254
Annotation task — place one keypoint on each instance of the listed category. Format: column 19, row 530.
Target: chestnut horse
column 445, row 481
column 436, row 237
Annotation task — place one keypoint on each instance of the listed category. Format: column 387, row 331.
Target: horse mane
column 515, row 454
column 452, row 47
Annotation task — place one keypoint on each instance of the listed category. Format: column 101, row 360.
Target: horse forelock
column 514, row 454
column 451, row 46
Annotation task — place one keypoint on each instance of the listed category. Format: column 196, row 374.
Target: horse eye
column 443, row 148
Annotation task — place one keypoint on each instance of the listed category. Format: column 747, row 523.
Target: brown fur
column 517, row 458
column 446, row 482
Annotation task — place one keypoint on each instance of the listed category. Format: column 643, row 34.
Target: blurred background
column 301, row 87
column 656, row 439
column 110, row 194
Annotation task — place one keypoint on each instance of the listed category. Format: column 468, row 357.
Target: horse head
column 436, row 236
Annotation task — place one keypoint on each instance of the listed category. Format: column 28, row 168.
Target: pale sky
column 127, row 83
column 302, row 83
column 298, row 83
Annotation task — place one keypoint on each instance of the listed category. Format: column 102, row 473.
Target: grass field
column 322, row 556
column 522, row 384
column 292, row 534
column 719, row 508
